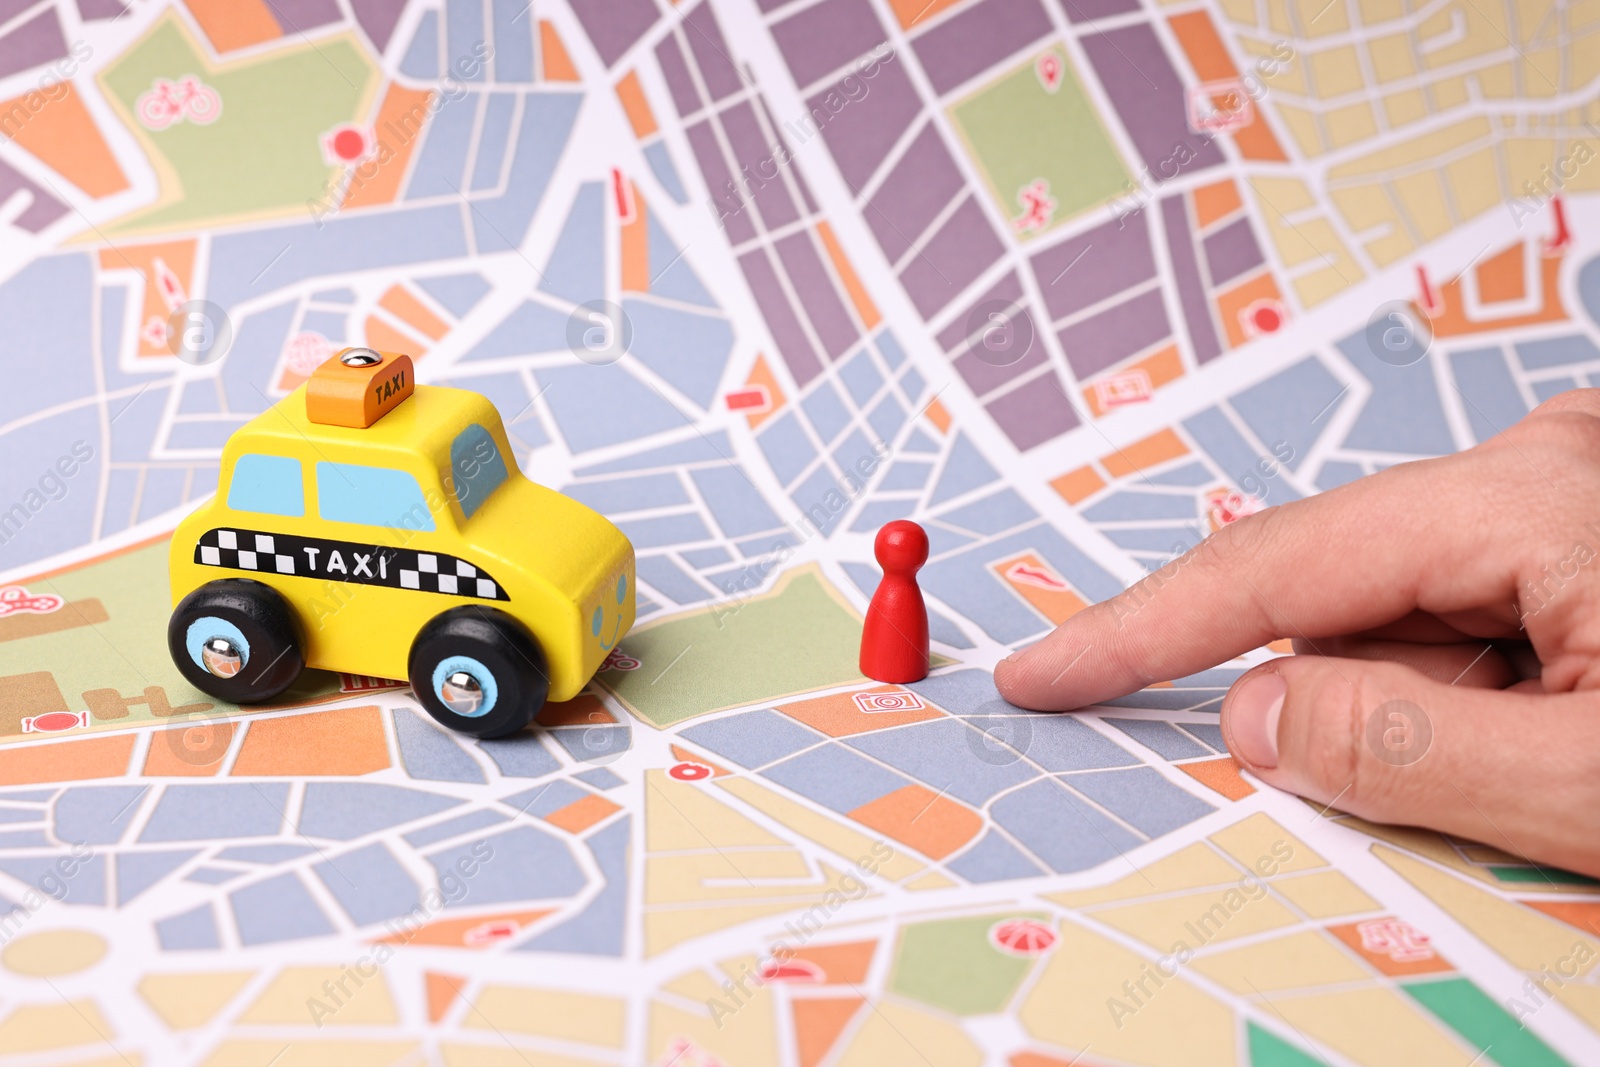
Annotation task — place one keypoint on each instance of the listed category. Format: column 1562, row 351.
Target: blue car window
column 372, row 496
column 476, row 467
column 268, row 484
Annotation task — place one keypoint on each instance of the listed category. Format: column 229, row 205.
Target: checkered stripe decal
column 345, row 561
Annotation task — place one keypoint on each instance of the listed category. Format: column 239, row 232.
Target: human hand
column 1446, row 620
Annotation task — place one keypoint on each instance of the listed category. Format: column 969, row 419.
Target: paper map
column 1070, row 282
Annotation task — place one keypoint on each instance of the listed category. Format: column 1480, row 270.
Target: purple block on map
column 975, row 40
column 913, row 193
column 1089, row 10
column 89, row 10
column 1231, row 251
column 755, row 160
column 41, row 212
column 983, row 368
column 1094, row 266
column 814, row 286
column 675, row 71
column 1112, row 335
column 962, row 249
column 1007, row 291
column 613, row 25
column 33, row 44
column 1034, row 413
column 1150, row 99
column 711, row 52
column 378, row 18
column 862, row 118
column 296, row 16
column 782, row 322
column 1186, row 273
column 826, row 36
column 795, row 174
column 729, row 196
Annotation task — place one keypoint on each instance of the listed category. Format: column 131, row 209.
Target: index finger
column 1347, row 560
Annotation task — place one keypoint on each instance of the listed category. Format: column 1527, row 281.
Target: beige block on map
column 1374, row 12
column 849, row 844
column 1315, row 286
column 1392, row 57
column 1312, row 239
column 1278, row 20
column 58, row 1024
column 1421, row 151
column 1541, row 69
column 303, row 1052
column 1196, row 919
column 1278, row 74
column 1072, row 1006
column 1406, row 107
column 1350, row 125
column 1486, row 33
column 703, row 877
column 1318, row 18
column 585, row 1018
column 1302, row 126
column 1368, row 211
column 187, row 1001
column 1376, row 1027
column 498, row 1055
column 1529, row 164
column 1498, row 82
column 1195, row 866
column 1241, row 12
column 1474, row 182
column 1265, row 847
column 1283, row 196
column 1585, row 58
column 1582, row 14
column 680, row 816
column 1335, row 71
column 745, row 1032
column 1325, row 895
column 310, row 996
column 1422, row 198
column 1449, row 93
column 1585, row 175
column 1537, row 20
column 1304, row 959
column 898, row 1033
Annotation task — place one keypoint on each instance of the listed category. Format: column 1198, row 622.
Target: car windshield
column 372, row 496
column 476, row 468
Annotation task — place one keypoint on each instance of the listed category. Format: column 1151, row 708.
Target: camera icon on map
column 871, row 703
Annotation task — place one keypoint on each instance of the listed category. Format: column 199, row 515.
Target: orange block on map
column 842, row 715
column 919, row 818
column 66, row 761
column 345, row 741
column 1041, row 585
column 56, row 126
column 398, row 128
column 818, row 1022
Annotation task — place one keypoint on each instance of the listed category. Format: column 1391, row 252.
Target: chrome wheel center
column 461, row 693
column 222, row 657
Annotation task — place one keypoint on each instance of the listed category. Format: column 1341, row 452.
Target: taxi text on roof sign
column 358, row 386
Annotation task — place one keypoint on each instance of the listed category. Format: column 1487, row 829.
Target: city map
column 1072, row 283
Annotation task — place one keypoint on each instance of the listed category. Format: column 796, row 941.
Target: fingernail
column 1253, row 714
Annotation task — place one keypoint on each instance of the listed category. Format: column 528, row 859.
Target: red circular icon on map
column 690, row 772
column 1022, row 937
column 1263, row 316
column 346, row 144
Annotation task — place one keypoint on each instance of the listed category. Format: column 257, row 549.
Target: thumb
column 1387, row 743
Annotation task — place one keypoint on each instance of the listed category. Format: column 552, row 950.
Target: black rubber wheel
column 235, row 639
column 479, row 671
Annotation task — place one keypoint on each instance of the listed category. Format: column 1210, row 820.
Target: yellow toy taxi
column 371, row 525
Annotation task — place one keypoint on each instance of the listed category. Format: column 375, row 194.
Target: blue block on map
column 754, row 738
column 1164, row 699
column 1167, row 541
column 822, row 499
column 521, row 756
column 513, row 41
column 861, row 377
column 1557, row 351
column 62, row 877
column 992, row 514
column 786, row 446
column 966, row 469
column 217, row 810
column 664, row 531
column 588, row 744
column 341, row 811
column 666, row 172
column 1061, row 742
column 1552, row 387
column 521, row 864
column 500, row 223
column 422, row 54
column 46, row 316
column 530, row 329
column 430, row 753
column 277, row 909
column 670, row 580
column 97, row 815
column 1491, row 398
column 268, row 854
column 465, row 40
column 1208, row 679
column 138, row 871
column 705, row 558
column 1160, row 737
column 1337, row 472
column 878, row 512
column 459, row 293
column 494, row 138
column 689, row 350
column 542, row 800
column 1060, row 828
column 601, row 778
column 1134, row 505
column 481, row 819
column 855, row 457
column 1210, row 733
column 635, row 409
column 441, row 165
column 1142, row 798
column 600, row 929
column 135, row 421
column 1189, row 474
column 993, row 859
column 905, row 474
column 836, row 777
column 949, row 756
column 964, row 692
column 1292, row 408
column 887, row 417
column 614, row 496
column 671, row 276
column 194, row 930
column 577, row 265
column 257, row 343
column 911, row 384
column 370, row 884
column 826, row 411
column 1404, row 413
column 1237, row 458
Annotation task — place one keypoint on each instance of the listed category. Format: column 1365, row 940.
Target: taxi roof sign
column 356, row 387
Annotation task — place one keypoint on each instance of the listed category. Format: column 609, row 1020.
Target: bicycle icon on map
column 168, row 103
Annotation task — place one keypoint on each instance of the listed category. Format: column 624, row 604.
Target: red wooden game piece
column 894, row 638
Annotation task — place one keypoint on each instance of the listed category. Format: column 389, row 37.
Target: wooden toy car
column 370, row 525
